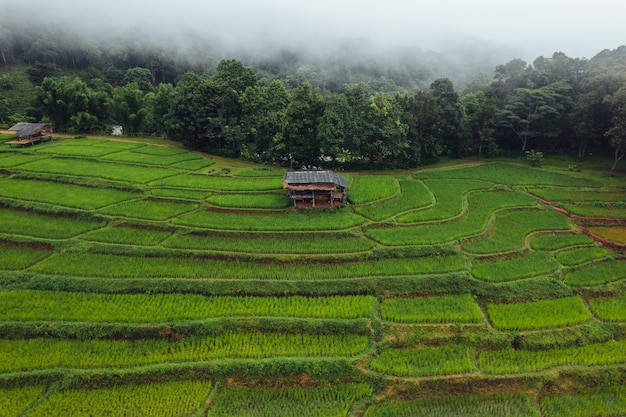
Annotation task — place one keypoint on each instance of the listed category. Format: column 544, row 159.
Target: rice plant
column 449, row 197
column 435, row 309
column 413, row 195
column 98, row 169
column 14, row 401
column 511, row 174
column 514, row 361
column 297, row 243
column 288, row 402
column 120, row 266
column 127, row 235
column 15, row 256
column 39, row 353
column 557, row 241
column 162, row 399
column 67, row 195
column 538, row 314
column 260, row 220
column 609, row 308
column 28, row 223
column 510, row 405
column 444, row 360
column 481, row 207
column 597, row 274
column 31, row 305
column 595, row 402
column 537, row 263
column 578, row 256
column 150, row 209
column 261, row 201
column 370, row 188
column 512, row 228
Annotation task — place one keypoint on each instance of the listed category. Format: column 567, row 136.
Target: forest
column 285, row 109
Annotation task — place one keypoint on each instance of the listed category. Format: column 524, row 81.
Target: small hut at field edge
column 321, row 189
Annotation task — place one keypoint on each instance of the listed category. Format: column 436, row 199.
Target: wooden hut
column 321, row 189
column 31, row 133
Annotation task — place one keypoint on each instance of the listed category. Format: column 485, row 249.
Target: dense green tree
column 385, row 133
column 450, row 115
column 617, row 132
column 187, row 120
column 263, row 110
column 478, row 122
column 530, row 112
column 128, row 108
column 70, row 104
column 299, row 141
column 333, row 128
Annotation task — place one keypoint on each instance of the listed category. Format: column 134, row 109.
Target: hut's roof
column 315, row 177
column 27, row 129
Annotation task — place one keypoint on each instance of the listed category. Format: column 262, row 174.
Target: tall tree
column 478, row 121
column 299, row 140
column 617, row 132
column 450, row 111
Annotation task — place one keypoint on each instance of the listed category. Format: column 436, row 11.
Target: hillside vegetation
column 148, row 277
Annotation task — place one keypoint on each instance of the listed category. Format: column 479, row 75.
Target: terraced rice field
column 148, row 280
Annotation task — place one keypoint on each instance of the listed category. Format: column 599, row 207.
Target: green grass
column 30, row 305
column 119, row 266
column 14, row 401
column 596, row 211
column 128, row 235
column 67, row 195
column 413, row 195
column 597, row 274
column 578, row 256
column 510, row 361
column 105, row 170
column 136, row 157
column 90, row 151
column 259, row 220
column 512, row 228
column 595, row 402
column 444, row 360
column 370, row 188
column 39, row 353
column 288, row 402
column 261, row 201
column 114, row 144
column 510, row 174
column 162, row 151
column 217, row 183
column 260, row 172
column 557, row 194
column 28, row 223
column 436, row 309
column 559, row 241
column 541, row 314
column 449, row 196
column 162, row 399
column 511, row 405
column 615, row 234
column 15, row 256
column 481, row 207
column 150, row 209
column 193, row 164
column 180, row 194
column 537, row 263
column 322, row 242
column 13, row 160
column 609, row 308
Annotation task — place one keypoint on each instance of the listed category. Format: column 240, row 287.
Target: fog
column 524, row 29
